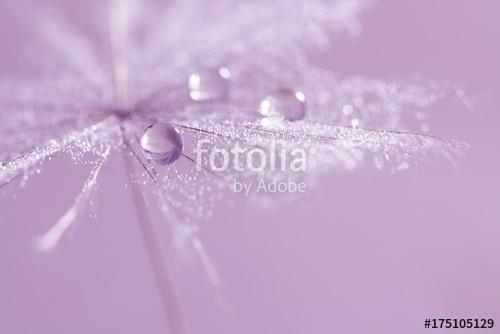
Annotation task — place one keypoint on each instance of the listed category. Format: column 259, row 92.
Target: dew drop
column 162, row 143
column 209, row 84
column 355, row 123
column 347, row 109
column 285, row 103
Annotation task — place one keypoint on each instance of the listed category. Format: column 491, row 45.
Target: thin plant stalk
column 118, row 21
column 162, row 272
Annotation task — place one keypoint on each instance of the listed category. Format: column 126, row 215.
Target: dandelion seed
column 79, row 108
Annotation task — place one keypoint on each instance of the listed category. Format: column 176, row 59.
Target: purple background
column 368, row 252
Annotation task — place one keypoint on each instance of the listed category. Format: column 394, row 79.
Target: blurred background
column 366, row 252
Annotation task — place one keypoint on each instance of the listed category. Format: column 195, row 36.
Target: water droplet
column 355, row 123
column 285, row 103
column 162, row 143
column 209, row 84
column 347, row 109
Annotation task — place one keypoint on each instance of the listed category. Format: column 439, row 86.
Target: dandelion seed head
column 93, row 99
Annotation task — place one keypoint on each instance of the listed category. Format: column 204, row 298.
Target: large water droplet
column 209, row 84
column 162, row 143
column 285, row 103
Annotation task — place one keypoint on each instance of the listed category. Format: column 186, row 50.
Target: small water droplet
column 285, row 103
column 355, row 123
column 379, row 162
column 209, row 84
column 347, row 109
column 162, row 143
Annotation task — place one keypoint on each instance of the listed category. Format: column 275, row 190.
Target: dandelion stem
column 118, row 24
column 162, row 272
